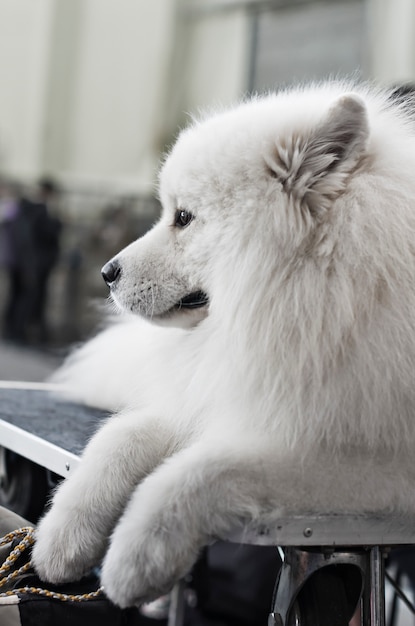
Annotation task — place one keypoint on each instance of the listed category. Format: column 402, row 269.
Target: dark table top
column 38, row 414
column 41, row 412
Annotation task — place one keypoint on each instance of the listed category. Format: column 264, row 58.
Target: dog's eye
column 182, row 218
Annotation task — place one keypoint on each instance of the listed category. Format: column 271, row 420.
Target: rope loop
column 26, row 535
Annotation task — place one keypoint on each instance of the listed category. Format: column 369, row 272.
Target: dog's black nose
column 110, row 272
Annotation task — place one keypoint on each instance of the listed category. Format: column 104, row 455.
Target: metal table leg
column 176, row 609
column 377, row 587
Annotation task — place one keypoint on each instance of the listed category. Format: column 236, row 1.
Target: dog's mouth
column 194, row 300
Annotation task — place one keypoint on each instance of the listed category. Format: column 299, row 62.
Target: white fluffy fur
column 294, row 390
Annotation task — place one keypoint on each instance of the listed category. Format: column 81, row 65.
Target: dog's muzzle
column 111, row 272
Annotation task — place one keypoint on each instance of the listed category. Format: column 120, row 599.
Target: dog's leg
column 73, row 536
column 198, row 494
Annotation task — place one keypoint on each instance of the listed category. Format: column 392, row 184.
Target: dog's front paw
column 138, row 569
column 63, row 550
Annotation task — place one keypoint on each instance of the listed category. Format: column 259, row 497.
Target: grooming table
column 52, row 432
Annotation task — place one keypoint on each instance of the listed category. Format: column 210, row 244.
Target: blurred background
column 92, row 92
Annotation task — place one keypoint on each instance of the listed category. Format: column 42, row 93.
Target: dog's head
column 236, row 188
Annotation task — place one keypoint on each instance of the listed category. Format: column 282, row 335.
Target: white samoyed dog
column 266, row 366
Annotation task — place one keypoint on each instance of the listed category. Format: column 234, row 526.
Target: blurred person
column 47, row 228
column 17, row 258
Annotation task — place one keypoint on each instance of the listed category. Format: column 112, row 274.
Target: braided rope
column 26, row 534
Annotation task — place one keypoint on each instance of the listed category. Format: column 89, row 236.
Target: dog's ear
column 314, row 169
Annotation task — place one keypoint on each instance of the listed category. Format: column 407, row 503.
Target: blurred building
column 92, row 91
